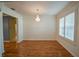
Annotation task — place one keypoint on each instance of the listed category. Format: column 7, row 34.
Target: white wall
column 19, row 17
column 43, row 30
column 72, row 47
column 20, row 29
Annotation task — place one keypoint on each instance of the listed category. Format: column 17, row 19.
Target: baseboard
column 19, row 41
column 39, row 39
column 67, row 49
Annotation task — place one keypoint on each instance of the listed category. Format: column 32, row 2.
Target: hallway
column 31, row 48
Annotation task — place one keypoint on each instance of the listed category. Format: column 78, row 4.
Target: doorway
column 9, row 28
column 9, row 34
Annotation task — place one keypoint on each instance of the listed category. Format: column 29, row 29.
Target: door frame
column 16, row 30
column 6, row 10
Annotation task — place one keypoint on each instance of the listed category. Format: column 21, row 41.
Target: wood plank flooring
column 30, row 48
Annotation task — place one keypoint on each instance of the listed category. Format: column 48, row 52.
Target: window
column 69, row 26
column 61, row 27
column 66, row 26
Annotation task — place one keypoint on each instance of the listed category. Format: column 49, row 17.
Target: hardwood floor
column 29, row 48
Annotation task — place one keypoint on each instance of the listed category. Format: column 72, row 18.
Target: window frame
column 60, row 26
column 65, row 27
column 73, row 27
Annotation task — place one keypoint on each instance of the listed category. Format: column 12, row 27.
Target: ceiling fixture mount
column 37, row 16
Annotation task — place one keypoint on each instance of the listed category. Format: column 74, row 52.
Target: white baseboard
column 39, row 39
column 67, row 49
column 19, row 41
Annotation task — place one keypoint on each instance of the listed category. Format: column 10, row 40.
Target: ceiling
column 45, row 7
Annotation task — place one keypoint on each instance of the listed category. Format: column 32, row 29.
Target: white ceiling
column 45, row 7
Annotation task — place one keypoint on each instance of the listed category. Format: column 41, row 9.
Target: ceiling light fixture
column 37, row 16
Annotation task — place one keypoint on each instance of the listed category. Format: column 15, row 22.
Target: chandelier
column 37, row 16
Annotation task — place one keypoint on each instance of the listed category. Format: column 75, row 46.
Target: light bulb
column 37, row 18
